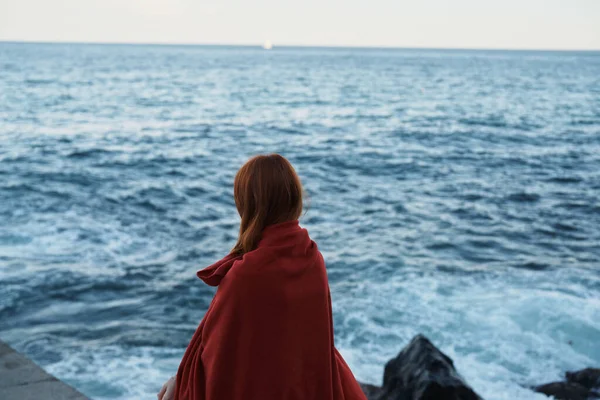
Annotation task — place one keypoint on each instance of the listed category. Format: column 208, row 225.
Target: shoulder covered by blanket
column 268, row 333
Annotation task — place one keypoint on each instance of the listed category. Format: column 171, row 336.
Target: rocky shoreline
column 423, row 372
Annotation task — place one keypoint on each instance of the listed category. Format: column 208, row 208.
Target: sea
column 453, row 193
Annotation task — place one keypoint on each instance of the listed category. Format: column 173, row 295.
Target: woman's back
column 268, row 333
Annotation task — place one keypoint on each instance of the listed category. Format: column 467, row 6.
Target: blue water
column 453, row 193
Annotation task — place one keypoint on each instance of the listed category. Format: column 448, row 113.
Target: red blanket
column 268, row 333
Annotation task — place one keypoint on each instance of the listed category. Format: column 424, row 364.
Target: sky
column 504, row 24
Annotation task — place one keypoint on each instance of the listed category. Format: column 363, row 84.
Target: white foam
column 504, row 331
column 115, row 373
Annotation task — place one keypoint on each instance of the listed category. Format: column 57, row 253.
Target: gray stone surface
column 22, row 379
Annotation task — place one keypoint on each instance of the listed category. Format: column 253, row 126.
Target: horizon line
column 275, row 46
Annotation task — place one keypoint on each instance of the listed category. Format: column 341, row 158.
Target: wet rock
column 421, row 372
column 589, row 377
column 371, row 391
column 563, row 390
column 579, row 385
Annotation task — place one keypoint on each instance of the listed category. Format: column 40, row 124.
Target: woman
column 268, row 333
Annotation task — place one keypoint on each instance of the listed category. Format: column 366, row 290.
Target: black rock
column 421, row 372
column 564, row 391
column 589, row 377
column 371, row 391
column 579, row 385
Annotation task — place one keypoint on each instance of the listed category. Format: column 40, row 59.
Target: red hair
column 267, row 191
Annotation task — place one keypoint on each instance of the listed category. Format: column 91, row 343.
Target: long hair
column 267, row 191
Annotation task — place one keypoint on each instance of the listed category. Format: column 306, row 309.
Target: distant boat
column 267, row 45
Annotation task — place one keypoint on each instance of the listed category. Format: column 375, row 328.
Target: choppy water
column 454, row 193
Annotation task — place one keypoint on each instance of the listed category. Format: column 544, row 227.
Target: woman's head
column 267, row 191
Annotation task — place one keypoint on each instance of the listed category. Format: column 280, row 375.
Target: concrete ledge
column 22, row 379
